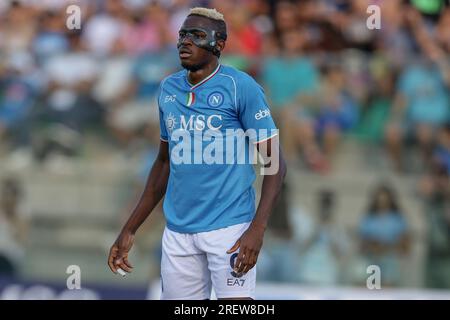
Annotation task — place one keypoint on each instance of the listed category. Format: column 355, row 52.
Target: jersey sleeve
column 163, row 131
column 254, row 112
column 162, row 125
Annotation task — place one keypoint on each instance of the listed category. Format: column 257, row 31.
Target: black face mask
column 202, row 38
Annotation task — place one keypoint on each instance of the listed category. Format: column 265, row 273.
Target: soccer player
column 214, row 232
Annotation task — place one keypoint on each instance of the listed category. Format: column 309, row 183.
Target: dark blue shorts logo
column 215, row 99
column 232, row 261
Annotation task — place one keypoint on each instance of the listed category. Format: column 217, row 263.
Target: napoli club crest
column 215, row 99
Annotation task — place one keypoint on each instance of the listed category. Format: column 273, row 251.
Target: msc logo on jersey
column 262, row 114
column 201, row 122
column 215, row 99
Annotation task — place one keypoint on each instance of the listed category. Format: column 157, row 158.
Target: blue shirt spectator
column 286, row 79
column 16, row 101
column 149, row 70
column 386, row 228
column 427, row 99
column 384, row 234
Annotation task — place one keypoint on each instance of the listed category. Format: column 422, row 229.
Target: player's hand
column 118, row 254
column 250, row 244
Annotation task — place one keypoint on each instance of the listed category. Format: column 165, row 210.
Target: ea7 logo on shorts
column 262, row 114
column 235, row 282
column 215, row 99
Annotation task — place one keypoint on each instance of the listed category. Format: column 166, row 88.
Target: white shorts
column 193, row 264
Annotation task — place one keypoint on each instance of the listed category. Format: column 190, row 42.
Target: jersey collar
column 204, row 80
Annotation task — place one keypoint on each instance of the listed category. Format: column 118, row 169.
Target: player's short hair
column 215, row 16
column 207, row 12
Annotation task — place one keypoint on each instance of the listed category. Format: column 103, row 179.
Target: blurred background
column 365, row 125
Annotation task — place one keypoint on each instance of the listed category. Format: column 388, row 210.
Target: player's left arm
column 255, row 117
column 251, row 241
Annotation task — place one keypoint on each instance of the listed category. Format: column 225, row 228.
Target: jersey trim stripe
column 206, row 79
column 265, row 139
column 235, row 89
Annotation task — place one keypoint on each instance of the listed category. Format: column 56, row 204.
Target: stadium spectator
column 104, row 29
column 138, row 109
column 279, row 258
column 375, row 113
column 324, row 249
column 17, row 28
column 394, row 39
column 421, row 107
column 384, row 234
column 335, row 113
column 13, row 227
column 422, row 103
column 67, row 109
column 434, row 188
column 435, row 191
column 50, row 38
column 146, row 31
column 17, row 97
column 291, row 80
column 286, row 18
column 443, row 30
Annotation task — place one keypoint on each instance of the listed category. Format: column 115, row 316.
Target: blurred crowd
column 327, row 76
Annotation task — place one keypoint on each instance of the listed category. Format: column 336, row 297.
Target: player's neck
column 195, row 77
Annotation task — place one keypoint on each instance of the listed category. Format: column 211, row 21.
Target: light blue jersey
column 204, row 195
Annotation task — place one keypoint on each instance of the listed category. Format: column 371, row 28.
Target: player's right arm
column 154, row 190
